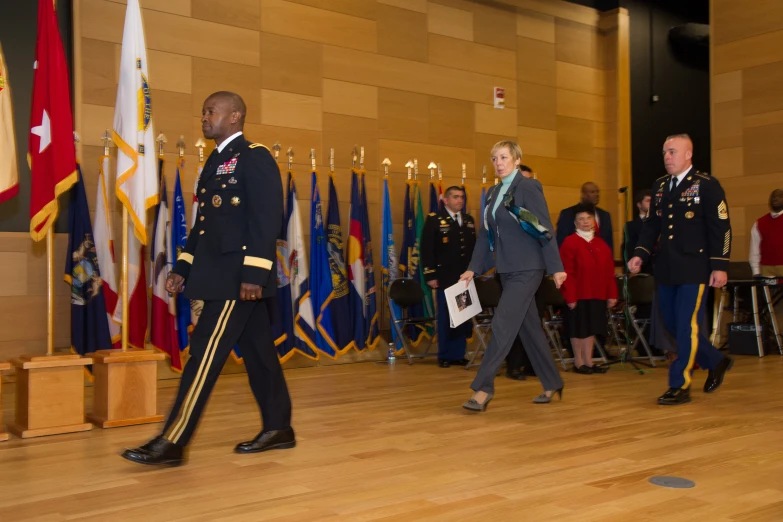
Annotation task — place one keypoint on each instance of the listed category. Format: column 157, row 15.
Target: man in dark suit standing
column 229, row 263
column 591, row 194
column 447, row 243
column 690, row 222
column 633, row 229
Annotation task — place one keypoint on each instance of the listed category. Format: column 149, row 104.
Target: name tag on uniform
column 227, row 167
column 470, row 225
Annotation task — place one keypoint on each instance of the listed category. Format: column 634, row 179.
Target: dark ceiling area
column 692, row 10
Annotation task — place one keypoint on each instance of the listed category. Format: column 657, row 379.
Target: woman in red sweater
column 589, row 288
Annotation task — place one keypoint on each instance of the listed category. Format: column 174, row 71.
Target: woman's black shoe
column 585, row 370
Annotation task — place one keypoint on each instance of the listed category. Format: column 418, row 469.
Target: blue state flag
column 89, row 322
column 370, row 302
column 340, row 303
column 389, row 264
column 320, row 276
column 179, row 236
column 434, row 201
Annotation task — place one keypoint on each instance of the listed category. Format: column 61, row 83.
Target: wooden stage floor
column 394, row 444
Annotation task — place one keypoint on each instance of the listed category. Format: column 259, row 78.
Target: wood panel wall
column 747, row 109
column 403, row 78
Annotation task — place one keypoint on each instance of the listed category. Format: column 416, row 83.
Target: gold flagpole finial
column 200, row 144
column 353, row 157
column 276, row 148
column 386, row 162
column 361, row 158
column 432, row 166
column 106, row 139
column 483, row 174
column 181, row 146
column 409, row 166
column 290, row 155
column 312, row 158
column 415, row 169
column 161, row 139
column 464, row 173
column 331, row 159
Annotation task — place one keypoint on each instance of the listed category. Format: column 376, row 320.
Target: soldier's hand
column 248, row 292
column 433, row 283
column 718, row 278
column 559, row 278
column 571, row 306
column 611, row 303
column 635, row 264
column 174, row 283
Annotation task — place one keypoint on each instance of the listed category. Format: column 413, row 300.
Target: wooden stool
column 3, row 435
column 125, row 390
column 49, row 395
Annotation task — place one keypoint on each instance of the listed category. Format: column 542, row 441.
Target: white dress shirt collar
column 227, row 141
column 680, row 176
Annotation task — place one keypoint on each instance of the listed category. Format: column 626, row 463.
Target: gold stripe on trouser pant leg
column 694, row 338
column 186, row 409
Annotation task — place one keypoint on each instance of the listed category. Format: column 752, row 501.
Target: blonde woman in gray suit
column 521, row 260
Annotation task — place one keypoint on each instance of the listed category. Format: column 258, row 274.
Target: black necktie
column 675, row 181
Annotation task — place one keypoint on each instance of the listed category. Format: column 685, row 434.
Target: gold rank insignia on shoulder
column 723, row 211
column 235, row 201
column 255, row 145
column 432, row 214
column 216, row 201
column 689, row 215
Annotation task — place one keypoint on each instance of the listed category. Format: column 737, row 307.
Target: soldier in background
column 447, row 243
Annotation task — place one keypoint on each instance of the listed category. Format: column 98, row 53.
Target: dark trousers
column 517, row 316
column 451, row 341
column 517, row 357
column 682, row 308
column 222, row 325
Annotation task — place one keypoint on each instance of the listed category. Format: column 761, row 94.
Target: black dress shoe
column 460, row 362
column 715, row 377
column 444, row 364
column 675, row 396
column 157, row 452
column 585, row 370
column 268, row 440
column 516, row 375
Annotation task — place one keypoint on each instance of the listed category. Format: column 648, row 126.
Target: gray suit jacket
column 515, row 249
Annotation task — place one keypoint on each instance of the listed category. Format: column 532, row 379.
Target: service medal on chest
column 216, row 201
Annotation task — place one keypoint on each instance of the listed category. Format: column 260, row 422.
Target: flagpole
column 386, row 162
column 49, row 292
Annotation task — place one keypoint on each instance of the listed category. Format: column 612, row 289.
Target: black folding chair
column 406, row 293
column 488, row 290
column 636, row 291
column 548, row 297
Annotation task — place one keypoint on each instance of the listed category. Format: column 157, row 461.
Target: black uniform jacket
column 240, row 198
column 694, row 229
column 446, row 247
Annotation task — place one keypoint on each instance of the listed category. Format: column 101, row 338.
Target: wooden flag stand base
column 125, row 390
column 3, row 436
column 49, row 395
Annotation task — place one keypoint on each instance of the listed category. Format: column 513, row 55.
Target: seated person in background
column 766, row 240
column 634, row 228
column 591, row 195
column 589, row 287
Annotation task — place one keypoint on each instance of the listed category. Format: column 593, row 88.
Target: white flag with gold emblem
column 137, row 182
column 9, row 173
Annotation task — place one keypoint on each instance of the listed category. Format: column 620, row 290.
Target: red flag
column 51, row 151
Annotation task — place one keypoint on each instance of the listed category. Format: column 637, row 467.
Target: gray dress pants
column 517, row 314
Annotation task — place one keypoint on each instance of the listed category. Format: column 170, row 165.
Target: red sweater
column 771, row 232
column 589, row 268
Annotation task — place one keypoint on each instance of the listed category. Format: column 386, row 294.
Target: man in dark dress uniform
column 447, row 243
column 691, row 217
column 229, row 263
column 633, row 228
